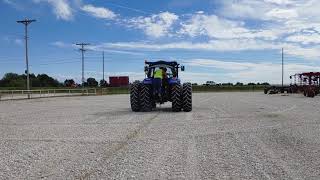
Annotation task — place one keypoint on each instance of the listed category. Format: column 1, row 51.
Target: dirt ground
column 226, row 136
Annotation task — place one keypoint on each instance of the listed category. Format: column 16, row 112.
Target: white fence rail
column 44, row 93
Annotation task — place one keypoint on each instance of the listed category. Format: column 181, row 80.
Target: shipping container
column 119, row 81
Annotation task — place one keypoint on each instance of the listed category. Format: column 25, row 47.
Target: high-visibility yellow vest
column 158, row 73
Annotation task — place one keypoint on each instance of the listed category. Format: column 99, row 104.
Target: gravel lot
column 226, row 136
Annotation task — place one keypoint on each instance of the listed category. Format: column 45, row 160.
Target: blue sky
column 223, row 41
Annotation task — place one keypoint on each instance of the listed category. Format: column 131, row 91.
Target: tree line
column 44, row 80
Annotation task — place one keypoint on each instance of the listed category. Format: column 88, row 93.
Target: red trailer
column 119, row 81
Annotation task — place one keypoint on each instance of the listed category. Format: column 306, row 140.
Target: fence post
column 11, row 94
column 95, row 91
column 54, row 92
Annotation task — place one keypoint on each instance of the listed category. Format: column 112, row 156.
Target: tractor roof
column 168, row 63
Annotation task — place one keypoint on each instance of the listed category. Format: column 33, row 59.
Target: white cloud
column 14, row 3
column 280, row 2
column 61, row 8
column 304, row 38
column 99, row 12
column 215, row 45
column 223, row 45
column 157, row 25
column 262, row 9
column 311, row 53
column 98, row 48
column 248, row 71
column 215, row 27
column 282, row 13
column 10, row 2
column 13, row 40
column 292, row 24
column 61, row 44
column 18, row 42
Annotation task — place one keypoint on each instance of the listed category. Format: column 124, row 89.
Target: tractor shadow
column 128, row 111
column 163, row 109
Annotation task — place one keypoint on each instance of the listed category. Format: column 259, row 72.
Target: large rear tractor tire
column 176, row 98
column 146, row 98
column 135, row 96
column 187, row 97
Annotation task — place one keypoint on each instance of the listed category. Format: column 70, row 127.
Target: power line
column 93, row 58
column 82, row 45
column 129, row 8
column 26, row 22
column 62, row 62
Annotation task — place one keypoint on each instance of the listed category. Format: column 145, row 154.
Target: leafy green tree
column 16, row 80
column 69, row 83
column 92, row 82
column 103, row 83
column 47, row 81
column 13, row 80
column 227, row 84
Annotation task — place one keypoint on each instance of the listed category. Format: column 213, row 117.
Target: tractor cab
column 171, row 75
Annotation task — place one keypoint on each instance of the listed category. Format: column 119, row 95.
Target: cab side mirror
column 182, row 68
column 146, row 69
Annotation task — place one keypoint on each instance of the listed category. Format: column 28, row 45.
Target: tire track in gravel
column 265, row 163
column 122, row 145
column 192, row 152
column 178, row 157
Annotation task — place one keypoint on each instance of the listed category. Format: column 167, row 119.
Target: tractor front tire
column 176, row 98
column 187, row 97
column 146, row 98
column 135, row 96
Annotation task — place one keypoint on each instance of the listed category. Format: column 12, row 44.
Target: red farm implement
column 307, row 83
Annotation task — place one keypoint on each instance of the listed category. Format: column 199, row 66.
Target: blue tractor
column 142, row 94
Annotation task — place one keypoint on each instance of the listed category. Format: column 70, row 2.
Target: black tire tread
column 176, row 98
column 145, row 98
column 187, row 97
column 135, row 96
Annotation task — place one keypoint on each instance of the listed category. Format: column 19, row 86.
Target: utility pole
column 82, row 55
column 26, row 22
column 103, row 66
column 282, row 69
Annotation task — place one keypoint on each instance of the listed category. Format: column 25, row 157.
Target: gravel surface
column 226, row 136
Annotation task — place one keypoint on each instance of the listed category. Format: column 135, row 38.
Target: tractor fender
column 174, row 81
column 147, row 81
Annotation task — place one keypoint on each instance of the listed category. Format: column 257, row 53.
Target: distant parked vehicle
column 210, row 83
